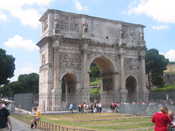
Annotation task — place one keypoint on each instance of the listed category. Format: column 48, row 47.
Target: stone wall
column 143, row 109
column 25, row 100
column 169, row 78
column 162, row 95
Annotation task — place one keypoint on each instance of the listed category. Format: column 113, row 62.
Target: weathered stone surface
column 70, row 43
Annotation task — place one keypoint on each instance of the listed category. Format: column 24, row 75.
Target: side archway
column 131, row 86
column 68, row 88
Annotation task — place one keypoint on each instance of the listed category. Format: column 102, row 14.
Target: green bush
column 165, row 88
column 95, row 83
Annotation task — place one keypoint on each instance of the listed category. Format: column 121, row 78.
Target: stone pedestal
column 124, row 94
column 146, row 95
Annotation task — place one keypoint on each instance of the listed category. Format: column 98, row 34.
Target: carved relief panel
column 70, row 61
column 131, row 64
column 45, row 25
column 64, row 23
column 131, row 35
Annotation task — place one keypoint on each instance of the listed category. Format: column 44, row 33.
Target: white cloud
column 170, row 55
column 3, row 17
column 160, row 10
column 12, row 4
column 79, row 6
column 25, row 17
column 160, row 27
column 19, row 42
column 22, row 9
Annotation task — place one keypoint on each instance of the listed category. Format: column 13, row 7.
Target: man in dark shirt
column 5, row 124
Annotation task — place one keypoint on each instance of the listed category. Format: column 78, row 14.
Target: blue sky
column 20, row 28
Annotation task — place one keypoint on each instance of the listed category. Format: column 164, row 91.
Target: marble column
column 145, row 92
column 123, row 90
column 85, row 74
column 56, row 90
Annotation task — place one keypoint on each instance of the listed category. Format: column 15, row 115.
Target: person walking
column 161, row 119
column 5, row 123
column 71, row 106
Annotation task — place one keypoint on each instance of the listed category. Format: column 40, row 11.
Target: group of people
column 93, row 107
column 164, row 120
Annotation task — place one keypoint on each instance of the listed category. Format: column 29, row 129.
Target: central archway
column 68, row 87
column 104, row 79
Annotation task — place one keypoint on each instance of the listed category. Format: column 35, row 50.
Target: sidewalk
column 20, row 126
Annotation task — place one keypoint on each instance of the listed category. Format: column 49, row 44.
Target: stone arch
column 107, row 72
column 131, row 86
column 101, row 56
column 65, row 52
column 68, row 87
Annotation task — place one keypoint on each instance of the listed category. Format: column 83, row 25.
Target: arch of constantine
column 70, row 43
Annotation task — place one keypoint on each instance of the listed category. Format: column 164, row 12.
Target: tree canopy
column 155, row 65
column 94, row 72
column 7, row 67
column 26, row 83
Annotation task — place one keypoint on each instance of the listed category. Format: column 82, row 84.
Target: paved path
column 20, row 126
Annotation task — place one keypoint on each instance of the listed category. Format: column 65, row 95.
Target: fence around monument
column 45, row 126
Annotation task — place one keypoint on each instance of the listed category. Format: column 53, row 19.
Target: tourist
column 99, row 107
column 92, row 107
column 84, row 107
column 5, row 123
column 36, row 117
column 114, row 107
column 79, row 108
column 161, row 119
column 171, row 116
column 71, row 107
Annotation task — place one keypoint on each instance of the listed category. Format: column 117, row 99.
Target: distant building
column 169, row 74
column 170, row 68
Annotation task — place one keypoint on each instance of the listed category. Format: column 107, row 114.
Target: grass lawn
column 97, row 121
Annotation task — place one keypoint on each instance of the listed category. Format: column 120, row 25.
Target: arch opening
column 131, row 85
column 101, row 78
column 68, row 88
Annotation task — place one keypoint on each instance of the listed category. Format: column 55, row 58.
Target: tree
column 94, row 72
column 29, row 82
column 155, row 65
column 26, row 83
column 10, row 89
column 7, row 67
